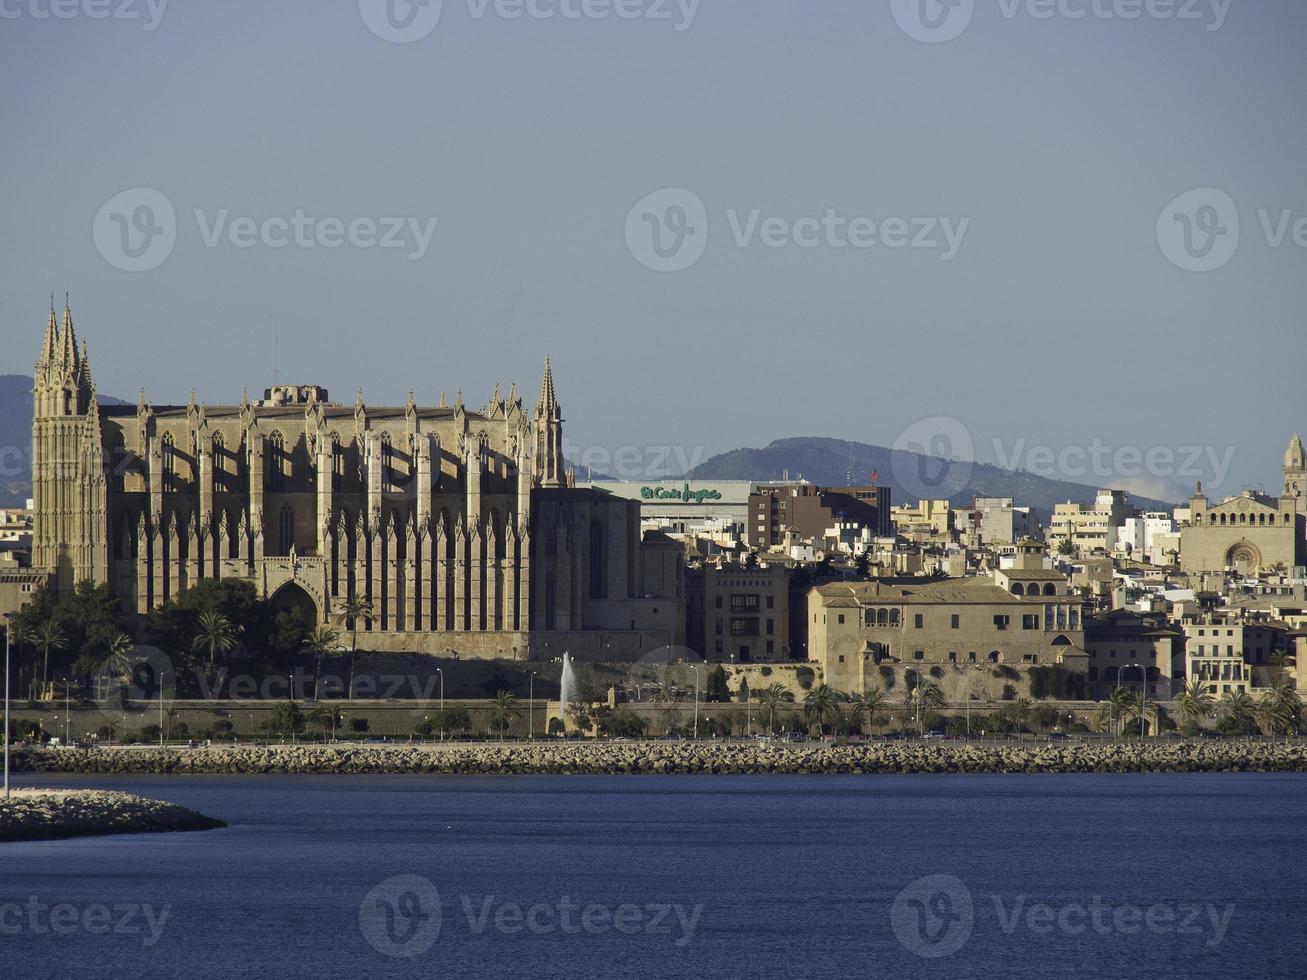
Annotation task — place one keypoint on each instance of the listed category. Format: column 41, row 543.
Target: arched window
column 285, row 530
column 219, row 457
column 387, row 464
column 598, row 562
column 894, row 617
column 1050, row 589
column 117, row 463
column 882, row 617
column 1017, row 589
column 337, row 464
column 169, row 463
column 276, row 464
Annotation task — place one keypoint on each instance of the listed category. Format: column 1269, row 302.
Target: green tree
column 504, row 710
column 454, row 719
column 820, row 705
column 322, row 640
column 1277, row 711
column 1195, row 702
column 1235, row 708
column 329, row 717
column 287, row 720
column 352, row 610
column 772, row 697
column 215, row 634
column 1123, row 703
column 719, row 691
column 49, row 635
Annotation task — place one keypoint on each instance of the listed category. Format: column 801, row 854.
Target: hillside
column 826, row 462
column 16, row 437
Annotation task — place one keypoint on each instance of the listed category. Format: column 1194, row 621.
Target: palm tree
column 1122, row 703
column 1236, row 707
column 1281, row 661
column 117, row 663
column 504, row 710
column 820, row 703
column 215, row 633
column 874, row 702
column 353, row 609
column 772, row 697
column 1278, row 709
column 49, row 635
column 327, row 717
column 1195, row 702
column 322, row 640
column 663, row 694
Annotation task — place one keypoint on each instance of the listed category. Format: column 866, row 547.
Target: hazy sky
column 1032, row 159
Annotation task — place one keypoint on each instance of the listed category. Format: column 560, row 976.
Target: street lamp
column 914, row 670
column 695, row 668
column 9, row 628
column 531, row 707
column 1143, row 691
column 442, row 703
column 67, row 709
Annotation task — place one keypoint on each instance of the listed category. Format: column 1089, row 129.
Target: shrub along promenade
column 46, row 814
column 655, row 757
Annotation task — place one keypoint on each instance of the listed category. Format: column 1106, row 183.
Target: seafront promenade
column 689, row 757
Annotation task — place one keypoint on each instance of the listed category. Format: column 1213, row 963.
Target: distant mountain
column 16, row 437
column 910, row 476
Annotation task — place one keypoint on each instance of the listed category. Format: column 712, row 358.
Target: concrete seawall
column 686, row 757
column 42, row 814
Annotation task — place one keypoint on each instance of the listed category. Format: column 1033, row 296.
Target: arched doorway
column 293, row 599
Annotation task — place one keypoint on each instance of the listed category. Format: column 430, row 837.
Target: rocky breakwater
column 31, row 814
column 602, row 757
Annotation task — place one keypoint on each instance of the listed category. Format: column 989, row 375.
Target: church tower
column 548, row 436
column 63, row 396
column 1295, row 469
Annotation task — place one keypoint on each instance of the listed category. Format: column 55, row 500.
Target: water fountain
column 567, row 685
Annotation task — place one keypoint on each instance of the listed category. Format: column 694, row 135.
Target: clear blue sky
column 1060, row 321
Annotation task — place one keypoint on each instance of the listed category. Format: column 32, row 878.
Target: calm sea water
column 755, row 877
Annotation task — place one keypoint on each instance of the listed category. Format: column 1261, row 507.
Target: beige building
column 924, row 521
column 739, row 613
column 1251, row 532
column 1127, row 648
column 461, row 526
column 1091, row 527
column 855, row 627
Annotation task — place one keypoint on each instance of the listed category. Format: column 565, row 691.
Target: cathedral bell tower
column 548, row 436
column 64, row 448
column 1295, row 469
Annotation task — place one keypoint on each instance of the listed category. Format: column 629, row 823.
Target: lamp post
column 695, row 668
column 914, row 670
column 442, row 703
column 531, row 707
column 1143, row 691
column 67, row 709
column 9, row 628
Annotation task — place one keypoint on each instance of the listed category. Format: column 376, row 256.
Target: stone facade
column 462, row 527
column 1251, row 532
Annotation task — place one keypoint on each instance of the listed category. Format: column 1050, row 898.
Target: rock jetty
column 611, row 757
column 50, row 814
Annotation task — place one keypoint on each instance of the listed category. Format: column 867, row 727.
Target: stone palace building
column 462, row 527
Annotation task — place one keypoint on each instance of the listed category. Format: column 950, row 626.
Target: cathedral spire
column 548, row 406
column 68, row 341
column 51, row 329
